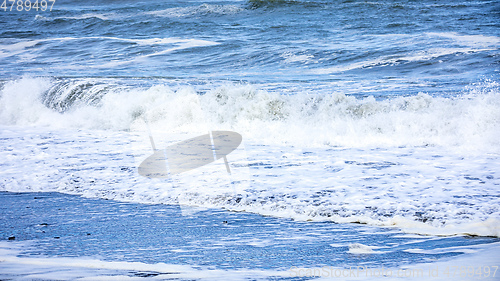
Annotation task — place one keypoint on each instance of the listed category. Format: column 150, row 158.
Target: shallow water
column 59, row 225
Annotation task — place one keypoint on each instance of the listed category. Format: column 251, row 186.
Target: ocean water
column 381, row 113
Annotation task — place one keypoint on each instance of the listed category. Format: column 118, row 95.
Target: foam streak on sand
column 46, row 268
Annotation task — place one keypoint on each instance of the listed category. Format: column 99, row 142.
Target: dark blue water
column 356, row 47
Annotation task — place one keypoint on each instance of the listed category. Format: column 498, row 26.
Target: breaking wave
column 469, row 119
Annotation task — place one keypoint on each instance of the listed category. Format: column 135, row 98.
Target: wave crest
column 470, row 119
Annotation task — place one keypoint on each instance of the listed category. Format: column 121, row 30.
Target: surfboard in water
column 190, row 154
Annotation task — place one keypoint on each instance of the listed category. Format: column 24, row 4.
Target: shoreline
column 54, row 230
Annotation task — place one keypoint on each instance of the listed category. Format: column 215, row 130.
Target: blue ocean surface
column 354, row 47
column 356, row 117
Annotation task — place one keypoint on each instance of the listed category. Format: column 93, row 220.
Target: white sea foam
column 170, row 45
column 428, row 165
column 50, row 268
column 359, row 249
column 100, row 16
column 471, row 40
column 7, row 50
column 485, row 260
column 149, row 41
column 202, row 9
column 458, row 249
column 290, row 57
column 416, row 56
column 470, row 120
column 481, row 265
column 456, row 44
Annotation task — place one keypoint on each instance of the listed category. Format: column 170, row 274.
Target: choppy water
column 355, row 47
column 382, row 112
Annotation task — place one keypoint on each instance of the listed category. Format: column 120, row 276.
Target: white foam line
column 359, row 249
column 189, row 43
column 178, row 12
column 17, row 48
column 49, row 268
column 456, row 268
column 419, row 56
column 150, row 41
column 476, row 39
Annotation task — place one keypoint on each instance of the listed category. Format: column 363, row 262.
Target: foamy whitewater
column 380, row 113
column 426, row 164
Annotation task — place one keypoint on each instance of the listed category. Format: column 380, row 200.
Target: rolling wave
column 203, row 9
column 468, row 119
